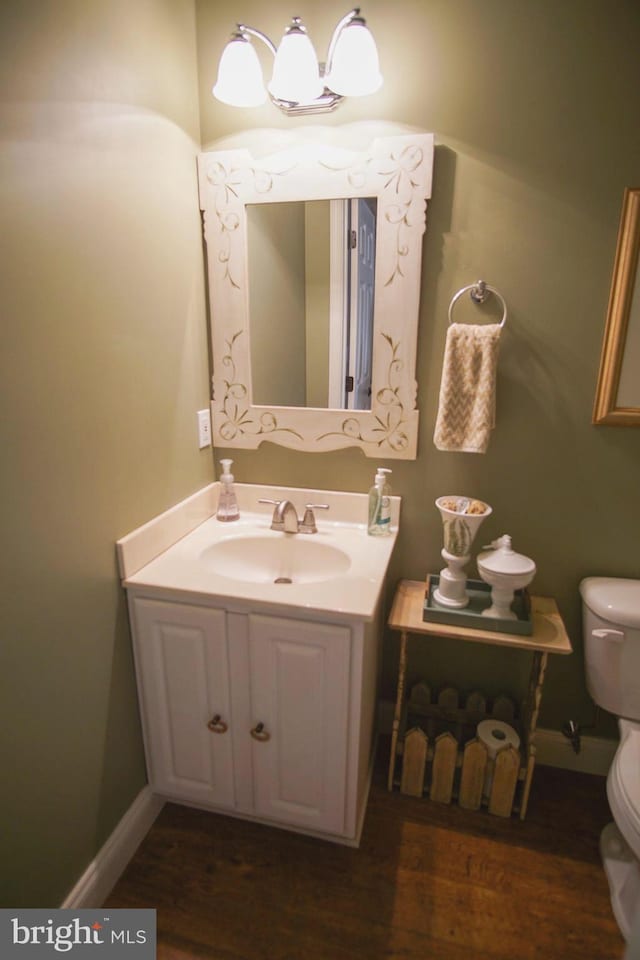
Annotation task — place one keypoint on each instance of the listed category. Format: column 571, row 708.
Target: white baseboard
column 97, row 881
column 553, row 748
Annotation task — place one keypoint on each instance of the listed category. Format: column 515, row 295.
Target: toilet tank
column 611, row 627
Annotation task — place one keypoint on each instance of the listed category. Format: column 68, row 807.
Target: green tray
column 479, row 594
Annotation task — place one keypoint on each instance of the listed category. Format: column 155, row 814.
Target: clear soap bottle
column 380, row 505
column 227, row 504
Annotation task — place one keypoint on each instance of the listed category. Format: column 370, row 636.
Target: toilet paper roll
column 495, row 734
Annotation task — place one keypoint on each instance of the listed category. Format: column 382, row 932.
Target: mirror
column 301, row 356
column 618, row 392
column 311, row 269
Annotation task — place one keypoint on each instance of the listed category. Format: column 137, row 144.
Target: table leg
column 538, row 670
column 402, row 669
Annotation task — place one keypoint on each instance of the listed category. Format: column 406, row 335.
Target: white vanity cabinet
column 257, row 656
column 261, row 716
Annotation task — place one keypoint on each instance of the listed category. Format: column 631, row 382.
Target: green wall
column 533, row 106
column 103, row 341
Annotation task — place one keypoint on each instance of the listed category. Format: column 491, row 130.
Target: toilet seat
column 623, row 785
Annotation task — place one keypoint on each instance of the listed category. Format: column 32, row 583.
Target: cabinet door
column 183, row 677
column 300, row 676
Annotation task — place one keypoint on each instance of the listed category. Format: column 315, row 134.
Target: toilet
column 611, row 625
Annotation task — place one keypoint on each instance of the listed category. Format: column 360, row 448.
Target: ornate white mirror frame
column 397, row 170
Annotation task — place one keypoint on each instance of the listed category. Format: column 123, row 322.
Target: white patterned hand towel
column 466, row 412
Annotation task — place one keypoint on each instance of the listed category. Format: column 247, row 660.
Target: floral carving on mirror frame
column 387, row 427
column 237, row 415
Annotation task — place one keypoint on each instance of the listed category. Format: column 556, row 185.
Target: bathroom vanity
column 257, row 656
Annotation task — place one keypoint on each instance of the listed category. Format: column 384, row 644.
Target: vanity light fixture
column 299, row 84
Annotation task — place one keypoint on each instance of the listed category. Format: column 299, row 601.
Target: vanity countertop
column 178, row 570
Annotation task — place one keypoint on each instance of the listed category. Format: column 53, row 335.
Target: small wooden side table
column 549, row 636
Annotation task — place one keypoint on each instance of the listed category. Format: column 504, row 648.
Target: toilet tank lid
column 613, row 599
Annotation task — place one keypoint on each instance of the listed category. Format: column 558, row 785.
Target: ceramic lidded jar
column 506, row 571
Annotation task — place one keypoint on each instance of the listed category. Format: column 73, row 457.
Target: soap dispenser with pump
column 228, row 503
column 380, row 505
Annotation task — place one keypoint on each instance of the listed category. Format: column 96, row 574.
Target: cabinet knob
column 216, row 725
column 259, row 733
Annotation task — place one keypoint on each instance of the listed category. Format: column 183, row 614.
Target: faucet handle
column 308, row 523
column 276, row 504
column 276, row 522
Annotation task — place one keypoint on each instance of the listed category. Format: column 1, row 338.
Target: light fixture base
column 325, row 103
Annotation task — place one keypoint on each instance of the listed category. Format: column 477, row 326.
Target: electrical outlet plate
column 204, row 428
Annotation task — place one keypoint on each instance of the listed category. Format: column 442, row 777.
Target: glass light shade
column 355, row 70
column 296, row 75
column 240, row 82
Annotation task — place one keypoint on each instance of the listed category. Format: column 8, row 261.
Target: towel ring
column 479, row 292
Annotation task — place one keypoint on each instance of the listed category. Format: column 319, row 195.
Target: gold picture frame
column 617, row 400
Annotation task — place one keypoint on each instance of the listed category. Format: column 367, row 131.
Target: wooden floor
column 429, row 882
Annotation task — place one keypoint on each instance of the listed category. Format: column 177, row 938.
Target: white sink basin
column 279, row 558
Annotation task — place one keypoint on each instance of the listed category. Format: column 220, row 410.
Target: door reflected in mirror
column 311, row 268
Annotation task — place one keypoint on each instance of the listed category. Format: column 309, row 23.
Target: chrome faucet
column 285, row 516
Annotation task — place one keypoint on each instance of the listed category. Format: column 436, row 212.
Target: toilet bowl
column 611, row 624
column 620, row 840
column 623, row 784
